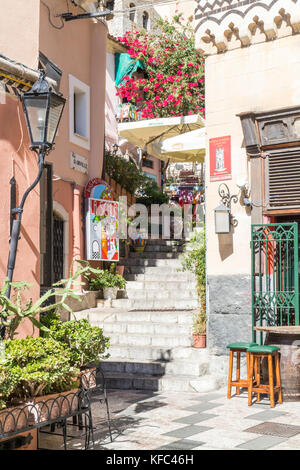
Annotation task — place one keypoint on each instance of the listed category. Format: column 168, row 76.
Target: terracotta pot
column 14, row 419
column 120, row 269
column 88, row 378
column 199, row 340
column 53, row 406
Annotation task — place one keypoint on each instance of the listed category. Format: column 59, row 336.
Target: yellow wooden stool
column 238, row 348
column 256, row 354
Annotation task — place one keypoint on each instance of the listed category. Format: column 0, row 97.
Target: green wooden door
column 275, row 275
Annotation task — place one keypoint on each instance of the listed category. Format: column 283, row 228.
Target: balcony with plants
column 166, row 73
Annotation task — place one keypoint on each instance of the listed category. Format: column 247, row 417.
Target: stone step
column 138, row 274
column 163, row 242
column 98, row 316
column 157, row 270
column 156, row 304
column 152, row 353
column 162, row 249
column 158, row 368
column 157, row 285
column 167, row 341
column 155, row 263
column 155, row 255
column 150, row 294
column 149, row 382
column 140, row 327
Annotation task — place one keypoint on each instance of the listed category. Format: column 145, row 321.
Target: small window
column 145, row 20
column 110, row 5
column 132, row 12
column 79, row 112
column 148, row 163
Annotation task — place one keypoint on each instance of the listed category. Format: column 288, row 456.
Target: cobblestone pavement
column 189, row 421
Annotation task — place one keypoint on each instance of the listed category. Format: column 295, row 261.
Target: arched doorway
column 58, row 248
column 60, row 242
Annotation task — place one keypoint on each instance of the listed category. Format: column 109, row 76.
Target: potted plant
column 41, row 375
column 15, row 310
column 108, row 282
column 111, row 283
column 86, row 344
column 199, row 330
column 194, row 260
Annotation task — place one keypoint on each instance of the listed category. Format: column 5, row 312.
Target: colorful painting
column 101, row 228
column 220, row 158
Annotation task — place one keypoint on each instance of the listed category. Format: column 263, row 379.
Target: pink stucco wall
column 78, row 49
column 83, row 55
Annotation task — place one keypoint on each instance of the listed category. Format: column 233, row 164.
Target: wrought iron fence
column 275, row 276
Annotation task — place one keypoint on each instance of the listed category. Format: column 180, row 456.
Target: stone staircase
column 150, row 326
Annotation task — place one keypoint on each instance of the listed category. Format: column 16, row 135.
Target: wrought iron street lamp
column 43, row 108
column 223, row 216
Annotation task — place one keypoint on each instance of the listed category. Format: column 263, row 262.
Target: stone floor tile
column 187, row 431
column 223, row 439
column 203, row 407
column 267, row 415
column 209, row 397
column 262, row 443
column 195, row 418
column 183, row 444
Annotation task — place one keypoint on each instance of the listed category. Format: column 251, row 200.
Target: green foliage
column 36, row 366
column 133, row 180
column 107, row 279
column 15, row 310
column 124, row 172
column 86, row 343
column 150, row 193
column 194, row 261
column 8, row 383
column 173, row 83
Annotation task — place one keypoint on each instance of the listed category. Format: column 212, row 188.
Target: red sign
column 220, row 158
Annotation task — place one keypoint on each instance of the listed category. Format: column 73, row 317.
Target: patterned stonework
column 222, row 25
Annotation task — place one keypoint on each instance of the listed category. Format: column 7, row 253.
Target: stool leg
column 250, row 379
column 258, row 376
column 238, row 369
column 278, row 378
column 271, row 380
column 230, row 374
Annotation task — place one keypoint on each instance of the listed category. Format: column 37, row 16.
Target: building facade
column 252, row 121
column 74, row 52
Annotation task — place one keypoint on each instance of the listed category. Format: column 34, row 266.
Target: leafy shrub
column 14, row 311
column 37, row 366
column 107, row 279
column 124, row 172
column 86, row 343
column 194, row 261
column 150, row 193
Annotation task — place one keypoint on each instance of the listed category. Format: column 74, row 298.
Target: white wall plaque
column 79, row 163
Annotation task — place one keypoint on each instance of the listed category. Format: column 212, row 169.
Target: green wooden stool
column 238, row 348
column 257, row 353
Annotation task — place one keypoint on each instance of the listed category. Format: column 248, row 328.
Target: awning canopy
column 168, row 138
column 187, row 147
column 124, row 66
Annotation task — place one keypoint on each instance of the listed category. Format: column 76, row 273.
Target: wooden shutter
column 283, row 178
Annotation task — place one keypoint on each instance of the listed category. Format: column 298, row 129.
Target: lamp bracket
column 41, row 85
column 225, row 195
column 226, row 199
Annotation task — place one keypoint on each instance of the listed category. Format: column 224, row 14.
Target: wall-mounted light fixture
column 245, row 192
column 223, row 216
